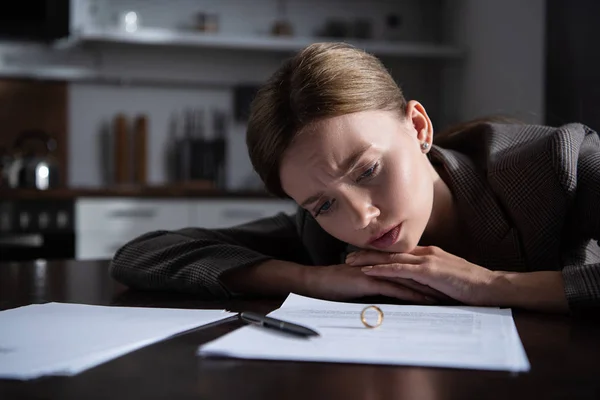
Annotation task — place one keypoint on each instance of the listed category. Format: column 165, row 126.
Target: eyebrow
column 348, row 165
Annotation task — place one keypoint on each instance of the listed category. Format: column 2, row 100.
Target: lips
column 386, row 239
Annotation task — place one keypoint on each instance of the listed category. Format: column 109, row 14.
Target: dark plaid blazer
column 530, row 196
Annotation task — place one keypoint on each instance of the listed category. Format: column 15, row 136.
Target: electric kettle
column 29, row 169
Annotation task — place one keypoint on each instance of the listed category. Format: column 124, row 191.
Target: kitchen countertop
column 175, row 191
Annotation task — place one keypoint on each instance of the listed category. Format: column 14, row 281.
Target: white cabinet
column 130, row 214
column 103, row 225
column 224, row 213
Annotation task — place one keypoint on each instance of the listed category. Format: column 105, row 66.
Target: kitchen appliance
column 29, row 169
column 37, row 229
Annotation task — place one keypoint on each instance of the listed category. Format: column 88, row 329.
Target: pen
column 277, row 324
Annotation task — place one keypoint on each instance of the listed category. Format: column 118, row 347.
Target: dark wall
column 573, row 62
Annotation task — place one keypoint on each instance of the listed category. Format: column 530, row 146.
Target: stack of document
column 65, row 339
column 434, row 336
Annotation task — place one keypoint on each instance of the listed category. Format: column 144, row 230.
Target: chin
column 402, row 246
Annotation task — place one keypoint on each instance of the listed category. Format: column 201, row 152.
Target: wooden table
column 564, row 353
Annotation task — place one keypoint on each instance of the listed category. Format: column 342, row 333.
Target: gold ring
column 379, row 316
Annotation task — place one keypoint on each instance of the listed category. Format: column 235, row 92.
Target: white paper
column 436, row 336
column 65, row 339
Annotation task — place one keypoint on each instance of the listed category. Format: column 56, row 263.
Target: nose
column 362, row 210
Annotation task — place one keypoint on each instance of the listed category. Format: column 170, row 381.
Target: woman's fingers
column 366, row 257
column 417, row 273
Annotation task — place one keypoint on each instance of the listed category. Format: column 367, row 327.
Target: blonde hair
column 323, row 80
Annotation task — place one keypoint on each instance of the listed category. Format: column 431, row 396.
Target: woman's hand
column 345, row 282
column 332, row 282
column 431, row 266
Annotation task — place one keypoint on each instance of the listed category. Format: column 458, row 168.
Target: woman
column 495, row 214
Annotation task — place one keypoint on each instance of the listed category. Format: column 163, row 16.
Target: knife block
column 201, row 159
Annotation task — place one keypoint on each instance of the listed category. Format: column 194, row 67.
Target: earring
column 424, row 145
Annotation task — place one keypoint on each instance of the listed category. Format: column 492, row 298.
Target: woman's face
column 365, row 177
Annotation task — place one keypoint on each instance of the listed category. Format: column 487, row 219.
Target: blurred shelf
column 198, row 190
column 173, row 38
column 50, row 73
column 68, row 59
column 89, row 75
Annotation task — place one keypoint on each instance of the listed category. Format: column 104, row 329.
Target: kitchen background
column 120, row 117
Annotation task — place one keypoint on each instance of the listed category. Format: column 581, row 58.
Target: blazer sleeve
column 582, row 282
column 192, row 260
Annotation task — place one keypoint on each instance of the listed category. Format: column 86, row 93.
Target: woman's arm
column 539, row 291
column 582, row 282
column 193, row 260
column 576, row 287
column 265, row 258
column 466, row 282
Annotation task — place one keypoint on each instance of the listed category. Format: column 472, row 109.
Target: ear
column 418, row 118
